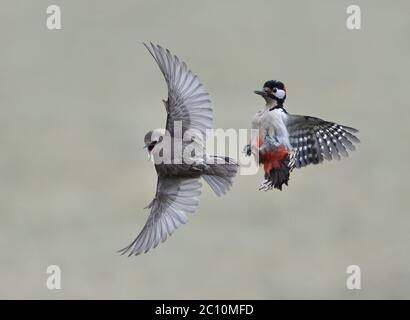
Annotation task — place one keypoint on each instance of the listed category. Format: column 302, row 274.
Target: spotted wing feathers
column 315, row 140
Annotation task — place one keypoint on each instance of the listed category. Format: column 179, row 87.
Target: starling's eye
column 274, row 90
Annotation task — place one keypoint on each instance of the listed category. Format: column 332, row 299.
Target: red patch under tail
column 276, row 166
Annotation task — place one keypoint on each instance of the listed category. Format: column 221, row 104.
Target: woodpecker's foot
column 247, row 150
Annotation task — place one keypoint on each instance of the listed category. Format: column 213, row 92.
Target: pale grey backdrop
column 75, row 104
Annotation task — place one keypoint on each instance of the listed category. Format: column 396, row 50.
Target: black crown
column 274, row 84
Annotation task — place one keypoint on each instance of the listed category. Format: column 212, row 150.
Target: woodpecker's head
column 273, row 91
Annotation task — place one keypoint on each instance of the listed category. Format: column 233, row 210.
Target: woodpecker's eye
column 274, row 90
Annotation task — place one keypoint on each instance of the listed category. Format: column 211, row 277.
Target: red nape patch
column 272, row 159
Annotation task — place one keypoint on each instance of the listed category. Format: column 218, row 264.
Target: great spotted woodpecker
column 286, row 141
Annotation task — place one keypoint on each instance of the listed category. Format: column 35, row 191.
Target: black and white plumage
column 178, row 184
column 315, row 140
column 297, row 140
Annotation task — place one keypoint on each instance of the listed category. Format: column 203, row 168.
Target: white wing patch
column 314, row 139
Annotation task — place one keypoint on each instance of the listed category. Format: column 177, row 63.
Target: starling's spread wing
column 314, row 139
column 175, row 197
column 188, row 102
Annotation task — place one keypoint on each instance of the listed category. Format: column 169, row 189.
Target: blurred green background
column 74, row 107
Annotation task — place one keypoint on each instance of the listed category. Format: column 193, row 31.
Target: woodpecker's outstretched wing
column 187, row 102
column 175, row 197
column 314, row 139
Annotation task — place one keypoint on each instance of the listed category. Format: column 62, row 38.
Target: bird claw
column 271, row 142
column 200, row 167
column 247, row 150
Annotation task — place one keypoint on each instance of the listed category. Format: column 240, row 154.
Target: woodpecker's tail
column 278, row 165
column 219, row 173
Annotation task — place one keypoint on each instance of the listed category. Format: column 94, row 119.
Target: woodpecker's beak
column 261, row 93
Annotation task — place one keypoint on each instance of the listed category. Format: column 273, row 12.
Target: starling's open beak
column 149, row 153
column 261, row 93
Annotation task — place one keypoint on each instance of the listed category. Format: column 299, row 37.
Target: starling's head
column 152, row 138
column 273, row 91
